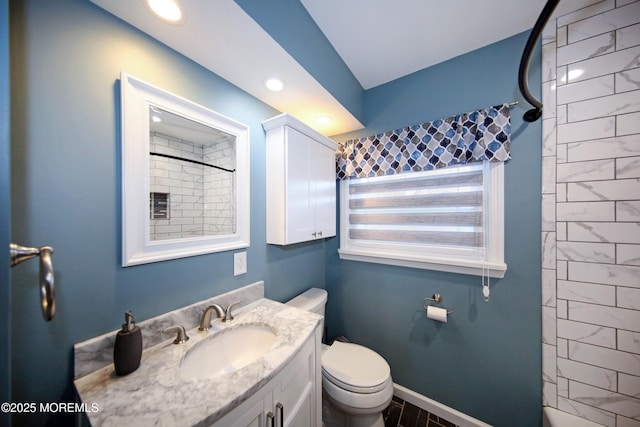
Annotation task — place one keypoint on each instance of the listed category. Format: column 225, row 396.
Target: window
column 449, row 219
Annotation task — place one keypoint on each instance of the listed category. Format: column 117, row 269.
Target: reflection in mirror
column 185, row 177
column 191, row 178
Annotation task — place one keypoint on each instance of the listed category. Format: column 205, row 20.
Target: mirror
column 185, row 177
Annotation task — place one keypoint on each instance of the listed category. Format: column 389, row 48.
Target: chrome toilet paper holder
column 436, row 298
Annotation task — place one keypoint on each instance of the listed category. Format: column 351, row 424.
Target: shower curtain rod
column 523, row 72
column 169, row 156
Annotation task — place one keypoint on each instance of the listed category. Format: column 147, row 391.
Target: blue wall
column 486, row 361
column 5, row 293
column 289, row 23
column 66, row 57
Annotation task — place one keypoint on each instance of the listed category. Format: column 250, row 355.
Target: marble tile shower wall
column 219, row 215
column 184, row 183
column 591, row 211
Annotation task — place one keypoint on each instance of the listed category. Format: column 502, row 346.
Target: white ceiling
column 379, row 40
column 383, row 40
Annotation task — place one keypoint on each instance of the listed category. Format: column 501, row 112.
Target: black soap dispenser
column 127, row 350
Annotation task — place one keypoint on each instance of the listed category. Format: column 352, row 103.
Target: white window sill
column 425, row 262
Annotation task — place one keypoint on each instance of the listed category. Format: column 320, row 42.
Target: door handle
column 19, row 254
column 270, row 417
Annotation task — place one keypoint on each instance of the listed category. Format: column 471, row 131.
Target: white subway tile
column 561, row 114
column 620, row 3
column 583, row 332
column 604, row 399
column 548, row 249
column 569, row 11
column 562, row 348
column 549, row 94
column 629, row 385
column 548, row 175
column 584, row 131
column 562, row 309
column 548, row 137
column 628, row 298
column 628, row 167
column 586, row 211
column 549, row 363
column 629, row 341
column 561, row 192
column 628, row 254
column 549, row 325
column 627, row 124
column 587, row 89
column 586, row 292
column 610, row 63
column 624, row 421
column 606, row 274
column 621, row 189
column 628, row 80
column 604, row 22
column 562, row 270
column 628, row 37
column 628, row 211
column 605, row 357
column 624, row 146
column 561, row 36
column 582, row 171
column 549, row 32
column 587, row 412
column 548, row 287
column 587, row 252
column 561, row 231
column 563, row 387
column 593, row 375
column 549, row 393
column 548, row 212
column 548, row 65
column 561, row 153
column 619, row 103
column 588, row 48
column 613, row 317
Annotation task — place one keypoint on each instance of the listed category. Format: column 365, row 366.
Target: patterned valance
column 480, row 135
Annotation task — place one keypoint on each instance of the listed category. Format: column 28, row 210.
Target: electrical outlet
column 239, row 263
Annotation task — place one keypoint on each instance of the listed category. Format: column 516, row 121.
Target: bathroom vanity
column 282, row 384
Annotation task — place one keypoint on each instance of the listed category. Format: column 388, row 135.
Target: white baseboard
column 436, row 408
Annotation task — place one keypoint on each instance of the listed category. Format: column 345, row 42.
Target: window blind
column 442, row 208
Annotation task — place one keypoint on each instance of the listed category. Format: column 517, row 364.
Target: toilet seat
column 355, row 368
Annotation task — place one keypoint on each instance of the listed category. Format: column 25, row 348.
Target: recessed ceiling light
column 324, row 120
column 156, row 119
column 274, row 84
column 167, row 10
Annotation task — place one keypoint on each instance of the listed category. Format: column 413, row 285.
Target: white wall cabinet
column 293, row 398
column 301, row 182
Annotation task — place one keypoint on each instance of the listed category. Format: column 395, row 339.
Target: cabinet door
column 300, row 220
column 322, row 167
column 294, row 395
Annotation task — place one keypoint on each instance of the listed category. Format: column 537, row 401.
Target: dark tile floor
column 403, row 414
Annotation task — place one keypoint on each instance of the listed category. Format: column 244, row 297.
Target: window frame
column 493, row 264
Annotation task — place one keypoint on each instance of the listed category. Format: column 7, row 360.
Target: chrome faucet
column 181, row 336
column 205, row 319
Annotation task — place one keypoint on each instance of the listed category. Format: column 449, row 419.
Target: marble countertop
column 156, row 394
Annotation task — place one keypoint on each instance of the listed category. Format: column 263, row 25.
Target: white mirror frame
column 137, row 248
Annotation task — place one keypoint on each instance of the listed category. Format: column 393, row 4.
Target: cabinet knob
column 270, row 418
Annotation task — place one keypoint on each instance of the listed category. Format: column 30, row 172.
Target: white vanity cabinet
column 293, row 398
column 301, row 182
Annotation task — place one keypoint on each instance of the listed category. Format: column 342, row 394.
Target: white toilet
column 355, row 379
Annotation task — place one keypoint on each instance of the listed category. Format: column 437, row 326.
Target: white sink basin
column 227, row 351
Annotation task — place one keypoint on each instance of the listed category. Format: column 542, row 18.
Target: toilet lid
column 354, row 367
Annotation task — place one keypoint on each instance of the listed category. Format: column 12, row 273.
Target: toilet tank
column 313, row 300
